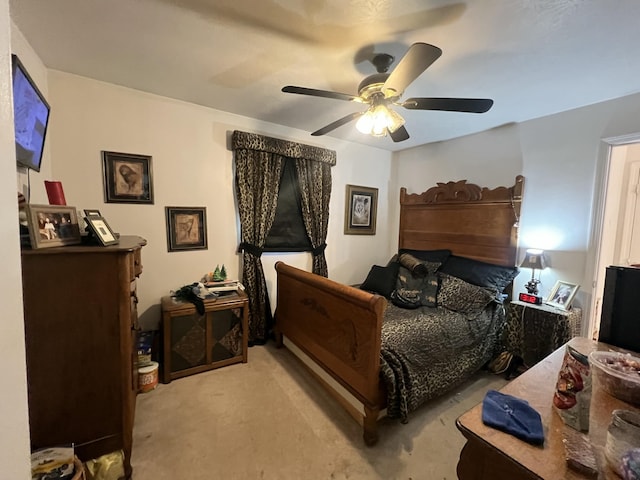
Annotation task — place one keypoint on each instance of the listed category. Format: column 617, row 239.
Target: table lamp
column 534, row 259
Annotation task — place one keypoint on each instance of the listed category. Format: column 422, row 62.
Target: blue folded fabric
column 512, row 415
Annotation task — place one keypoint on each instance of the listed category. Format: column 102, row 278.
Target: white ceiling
column 532, row 57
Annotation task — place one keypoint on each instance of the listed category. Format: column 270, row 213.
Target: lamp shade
column 534, row 259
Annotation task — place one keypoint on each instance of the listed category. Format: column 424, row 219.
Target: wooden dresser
column 80, row 312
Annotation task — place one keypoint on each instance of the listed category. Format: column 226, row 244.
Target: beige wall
column 14, row 426
column 192, row 166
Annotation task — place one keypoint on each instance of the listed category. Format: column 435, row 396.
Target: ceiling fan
column 382, row 90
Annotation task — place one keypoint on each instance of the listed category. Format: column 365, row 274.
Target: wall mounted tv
column 31, row 117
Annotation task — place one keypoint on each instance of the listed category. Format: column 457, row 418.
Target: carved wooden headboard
column 471, row 221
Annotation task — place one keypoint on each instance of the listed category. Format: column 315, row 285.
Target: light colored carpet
column 268, row 419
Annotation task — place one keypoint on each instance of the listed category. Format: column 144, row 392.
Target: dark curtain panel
column 259, row 162
column 314, row 179
column 257, row 182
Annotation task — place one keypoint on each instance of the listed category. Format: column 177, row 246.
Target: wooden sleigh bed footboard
column 339, row 327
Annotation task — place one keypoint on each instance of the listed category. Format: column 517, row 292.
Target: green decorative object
column 223, row 273
column 217, row 274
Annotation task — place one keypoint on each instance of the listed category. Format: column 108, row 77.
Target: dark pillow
column 418, row 289
column 479, row 273
column 460, row 296
column 437, row 256
column 381, row 280
column 406, row 298
column 416, row 265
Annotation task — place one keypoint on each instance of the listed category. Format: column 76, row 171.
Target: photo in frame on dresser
column 52, row 225
column 100, row 230
column 562, row 294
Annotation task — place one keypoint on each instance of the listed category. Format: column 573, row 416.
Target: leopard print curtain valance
column 253, row 141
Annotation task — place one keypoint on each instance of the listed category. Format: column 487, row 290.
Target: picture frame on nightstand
column 562, row 294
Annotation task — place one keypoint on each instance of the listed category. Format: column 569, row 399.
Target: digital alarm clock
column 529, row 298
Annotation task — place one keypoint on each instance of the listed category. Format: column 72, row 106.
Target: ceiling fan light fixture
column 382, row 91
column 394, row 120
column 378, row 120
column 365, row 123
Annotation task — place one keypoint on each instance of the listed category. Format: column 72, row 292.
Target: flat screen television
column 31, row 117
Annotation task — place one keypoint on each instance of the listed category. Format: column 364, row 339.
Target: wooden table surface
column 537, row 386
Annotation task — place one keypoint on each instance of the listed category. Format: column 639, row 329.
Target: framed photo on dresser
column 99, row 227
column 52, row 225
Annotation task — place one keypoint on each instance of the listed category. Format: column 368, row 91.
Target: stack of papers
column 223, row 286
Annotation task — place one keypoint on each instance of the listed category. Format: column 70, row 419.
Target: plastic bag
column 572, row 398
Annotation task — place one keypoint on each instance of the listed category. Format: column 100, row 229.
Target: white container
column 623, row 435
column 148, row 377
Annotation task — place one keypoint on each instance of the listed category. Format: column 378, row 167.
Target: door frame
column 630, row 213
column 602, row 241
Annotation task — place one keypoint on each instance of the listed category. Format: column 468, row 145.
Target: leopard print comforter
column 428, row 351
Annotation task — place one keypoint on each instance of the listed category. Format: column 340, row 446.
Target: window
column 288, row 233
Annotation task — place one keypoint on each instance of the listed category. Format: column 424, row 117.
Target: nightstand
column 194, row 343
column 534, row 331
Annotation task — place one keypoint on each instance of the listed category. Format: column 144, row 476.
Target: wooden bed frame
column 339, row 327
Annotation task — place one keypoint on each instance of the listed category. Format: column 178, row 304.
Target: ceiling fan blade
column 399, row 135
column 337, row 123
column 470, row 105
column 318, row 93
column 415, row 61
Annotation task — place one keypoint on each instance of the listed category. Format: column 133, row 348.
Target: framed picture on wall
column 127, row 178
column 186, row 228
column 562, row 294
column 361, row 204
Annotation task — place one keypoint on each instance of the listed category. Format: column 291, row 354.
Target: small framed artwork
column 52, row 225
column 92, row 213
column 186, row 228
column 562, row 294
column 101, row 230
column 361, row 205
column 127, row 178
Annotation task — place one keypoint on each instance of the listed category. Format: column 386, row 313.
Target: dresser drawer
column 133, row 296
column 137, row 262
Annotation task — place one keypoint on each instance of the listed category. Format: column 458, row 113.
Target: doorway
column 616, row 220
